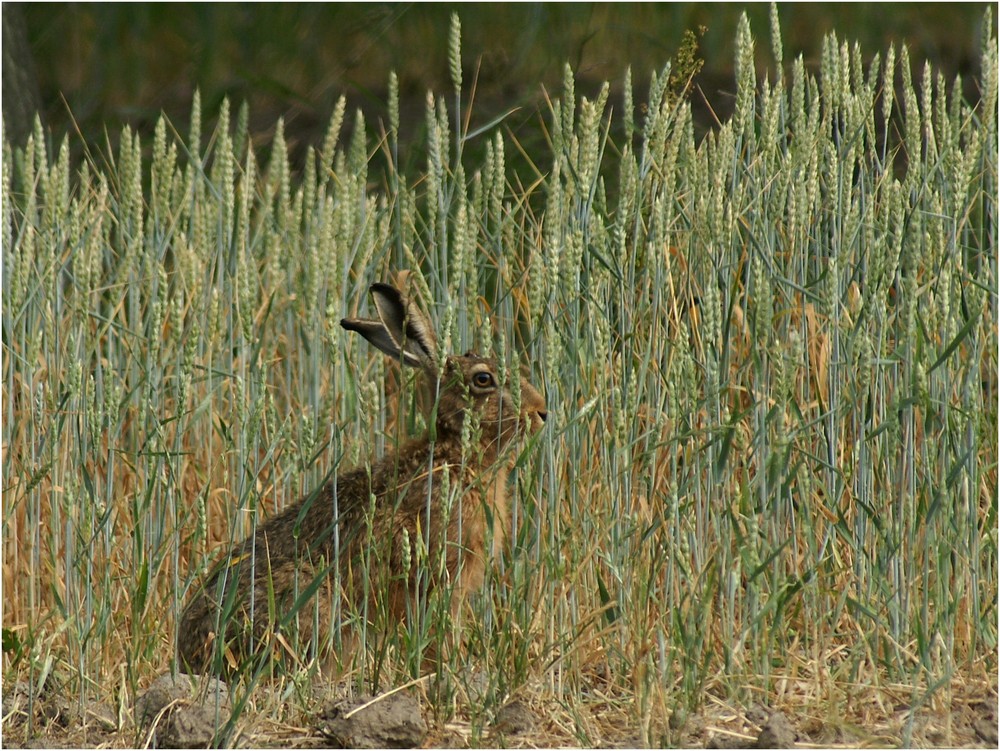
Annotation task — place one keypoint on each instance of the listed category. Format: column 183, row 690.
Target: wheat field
column 769, row 356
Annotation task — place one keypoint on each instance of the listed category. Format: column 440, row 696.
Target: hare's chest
column 476, row 528
column 480, row 519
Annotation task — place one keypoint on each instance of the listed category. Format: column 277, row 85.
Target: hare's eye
column 483, row 380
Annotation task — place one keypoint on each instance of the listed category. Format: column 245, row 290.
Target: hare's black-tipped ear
column 410, row 329
column 376, row 334
column 403, row 331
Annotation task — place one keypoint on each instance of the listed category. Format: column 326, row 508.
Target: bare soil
column 529, row 721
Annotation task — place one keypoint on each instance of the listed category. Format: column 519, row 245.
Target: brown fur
column 298, row 548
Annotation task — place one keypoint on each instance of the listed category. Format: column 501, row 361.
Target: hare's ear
column 375, row 333
column 409, row 328
column 403, row 333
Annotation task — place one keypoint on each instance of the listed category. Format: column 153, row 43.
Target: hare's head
column 466, row 386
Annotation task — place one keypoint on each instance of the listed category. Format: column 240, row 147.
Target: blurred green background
column 97, row 66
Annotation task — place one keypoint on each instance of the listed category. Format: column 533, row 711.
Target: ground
column 533, row 720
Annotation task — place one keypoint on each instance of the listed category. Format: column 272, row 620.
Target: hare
column 360, row 533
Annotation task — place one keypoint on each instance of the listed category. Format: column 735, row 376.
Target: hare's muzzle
column 534, row 407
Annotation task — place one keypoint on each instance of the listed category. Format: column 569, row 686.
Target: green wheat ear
column 455, row 53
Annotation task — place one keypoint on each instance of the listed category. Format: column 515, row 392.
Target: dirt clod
column 987, row 731
column 758, row 714
column 720, row 741
column 514, row 718
column 776, row 733
column 184, row 711
column 16, row 699
column 678, row 719
column 389, row 721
